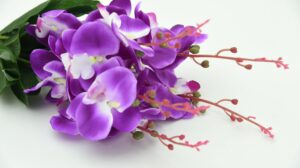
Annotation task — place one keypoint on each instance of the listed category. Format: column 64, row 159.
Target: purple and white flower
column 98, row 68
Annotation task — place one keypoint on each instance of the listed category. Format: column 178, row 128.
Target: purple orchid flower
column 53, row 23
column 110, row 96
column 167, row 44
column 168, row 88
column 120, row 7
column 127, row 29
column 86, row 47
column 52, row 73
column 166, row 51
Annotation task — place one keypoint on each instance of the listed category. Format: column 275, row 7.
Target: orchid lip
column 81, row 65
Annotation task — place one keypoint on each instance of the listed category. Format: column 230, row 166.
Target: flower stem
column 234, row 115
column 279, row 63
column 23, row 60
column 170, row 141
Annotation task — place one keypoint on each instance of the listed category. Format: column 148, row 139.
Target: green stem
column 23, row 60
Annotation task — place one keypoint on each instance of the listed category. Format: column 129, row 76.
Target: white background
column 257, row 27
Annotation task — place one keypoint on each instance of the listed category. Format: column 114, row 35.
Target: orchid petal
column 94, row 121
column 126, row 121
column 163, row 57
column 93, row 16
column 120, row 86
column 201, row 38
column 56, row 68
column 167, row 77
column 43, row 83
column 123, row 4
column 38, row 59
column 118, row 33
column 152, row 114
column 153, row 20
column 95, row 38
column 163, row 93
column 63, row 125
column 53, row 13
column 148, row 51
column 133, row 28
column 177, row 28
column 72, row 109
column 58, row 91
column 74, row 87
column 108, row 64
column 67, row 37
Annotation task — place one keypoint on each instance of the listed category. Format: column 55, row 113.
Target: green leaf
column 27, row 76
column 10, row 37
column 21, row 21
column 68, row 4
column 11, row 74
column 29, row 44
column 6, row 54
column 17, row 89
column 27, row 80
column 81, row 10
column 3, row 82
column 12, row 42
column 9, row 67
column 15, row 46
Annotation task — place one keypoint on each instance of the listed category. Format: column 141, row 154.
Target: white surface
column 257, row 27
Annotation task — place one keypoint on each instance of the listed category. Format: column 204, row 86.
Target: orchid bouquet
column 110, row 72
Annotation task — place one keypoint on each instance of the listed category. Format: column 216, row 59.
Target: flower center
column 113, row 104
column 60, row 80
column 96, row 93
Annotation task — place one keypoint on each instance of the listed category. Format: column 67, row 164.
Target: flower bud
column 233, row 50
column 234, row 101
column 154, row 133
column 164, row 45
column 194, row 49
column 151, row 125
column 171, row 147
column 203, row 111
column 195, row 102
column 193, row 85
column 139, row 53
column 136, row 103
column 152, row 94
column 159, row 35
column 205, row 64
column 249, row 66
column 197, row 94
column 181, row 137
column 138, row 135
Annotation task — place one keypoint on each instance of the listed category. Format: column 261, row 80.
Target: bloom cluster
column 114, row 72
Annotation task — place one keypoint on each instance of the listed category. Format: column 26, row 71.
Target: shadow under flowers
column 116, row 146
